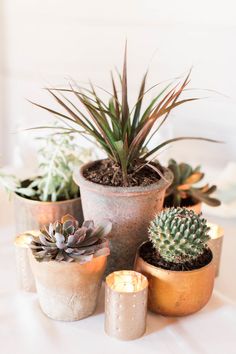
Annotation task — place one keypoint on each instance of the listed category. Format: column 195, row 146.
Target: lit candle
column 216, row 234
column 24, row 273
column 126, row 304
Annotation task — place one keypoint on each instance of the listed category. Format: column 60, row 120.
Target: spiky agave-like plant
column 179, row 235
column 123, row 133
column 182, row 187
column 66, row 241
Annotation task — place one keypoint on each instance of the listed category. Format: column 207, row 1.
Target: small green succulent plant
column 66, row 241
column 58, row 155
column 179, row 235
column 183, row 190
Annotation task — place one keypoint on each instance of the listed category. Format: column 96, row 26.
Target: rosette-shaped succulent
column 179, row 235
column 185, row 188
column 66, row 241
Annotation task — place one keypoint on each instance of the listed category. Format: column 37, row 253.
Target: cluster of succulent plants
column 183, row 190
column 122, row 132
column 66, row 241
column 179, row 235
column 58, row 155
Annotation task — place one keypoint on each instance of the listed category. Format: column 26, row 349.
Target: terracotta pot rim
column 31, row 201
column 160, row 185
column 173, row 271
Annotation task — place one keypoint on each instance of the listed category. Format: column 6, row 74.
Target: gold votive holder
column 215, row 243
column 25, row 276
column 126, row 304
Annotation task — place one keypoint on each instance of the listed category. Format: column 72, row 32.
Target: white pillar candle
column 24, row 273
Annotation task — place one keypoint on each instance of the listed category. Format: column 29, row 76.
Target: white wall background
column 43, row 42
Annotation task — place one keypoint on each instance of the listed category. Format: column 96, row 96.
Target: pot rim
column 27, row 200
column 64, row 263
column 160, row 185
column 173, row 271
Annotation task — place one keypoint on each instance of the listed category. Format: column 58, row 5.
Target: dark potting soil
column 149, row 255
column 187, row 202
column 108, row 173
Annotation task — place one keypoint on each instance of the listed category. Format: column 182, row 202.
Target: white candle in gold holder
column 24, row 273
column 215, row 243
column 126, row 304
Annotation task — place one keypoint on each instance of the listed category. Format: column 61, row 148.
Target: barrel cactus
column 66, row 241
column 179, row 235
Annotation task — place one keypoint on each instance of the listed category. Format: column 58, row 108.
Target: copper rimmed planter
column 197, row 208
column 216, row 243
column 129, row 209
column 33, row 214
column 177, row 293
column 68, row 291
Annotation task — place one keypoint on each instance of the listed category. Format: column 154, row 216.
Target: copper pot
column 177, row 293
column 215, row 243
column 130, row 210
column 197, row 208
column 68, row 291
column 32, row 214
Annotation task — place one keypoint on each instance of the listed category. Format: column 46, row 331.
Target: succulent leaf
column 179, row 235
column 66, row 241
column 182, row 187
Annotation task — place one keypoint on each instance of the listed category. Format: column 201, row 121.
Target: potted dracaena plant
column 68, row 263
column 177, row 262
column 52, row 193
column 184, row 193
column 129, row 186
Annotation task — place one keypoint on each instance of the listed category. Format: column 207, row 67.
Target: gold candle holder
column 24, row 273
column 215, row 243
column 126, row 304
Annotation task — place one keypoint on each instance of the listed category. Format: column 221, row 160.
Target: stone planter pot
column 68, row 291
column 33, row 214
column 177, row 293
column 130, row 209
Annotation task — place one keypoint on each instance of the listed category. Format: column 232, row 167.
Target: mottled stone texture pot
column 68, row 291
column 177, row 293
column 33, row 214
column 130, row 209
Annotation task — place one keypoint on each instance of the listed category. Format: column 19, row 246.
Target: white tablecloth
column 24, row 329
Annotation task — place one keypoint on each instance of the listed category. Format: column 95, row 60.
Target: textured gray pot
column 33, row 214
column 68, row 291
column 129, row 208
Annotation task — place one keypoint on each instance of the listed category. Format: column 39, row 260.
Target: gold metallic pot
column 177, row 293
column 215, row 243
column 68, row 291
column 197, row 208
column 32, row 214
